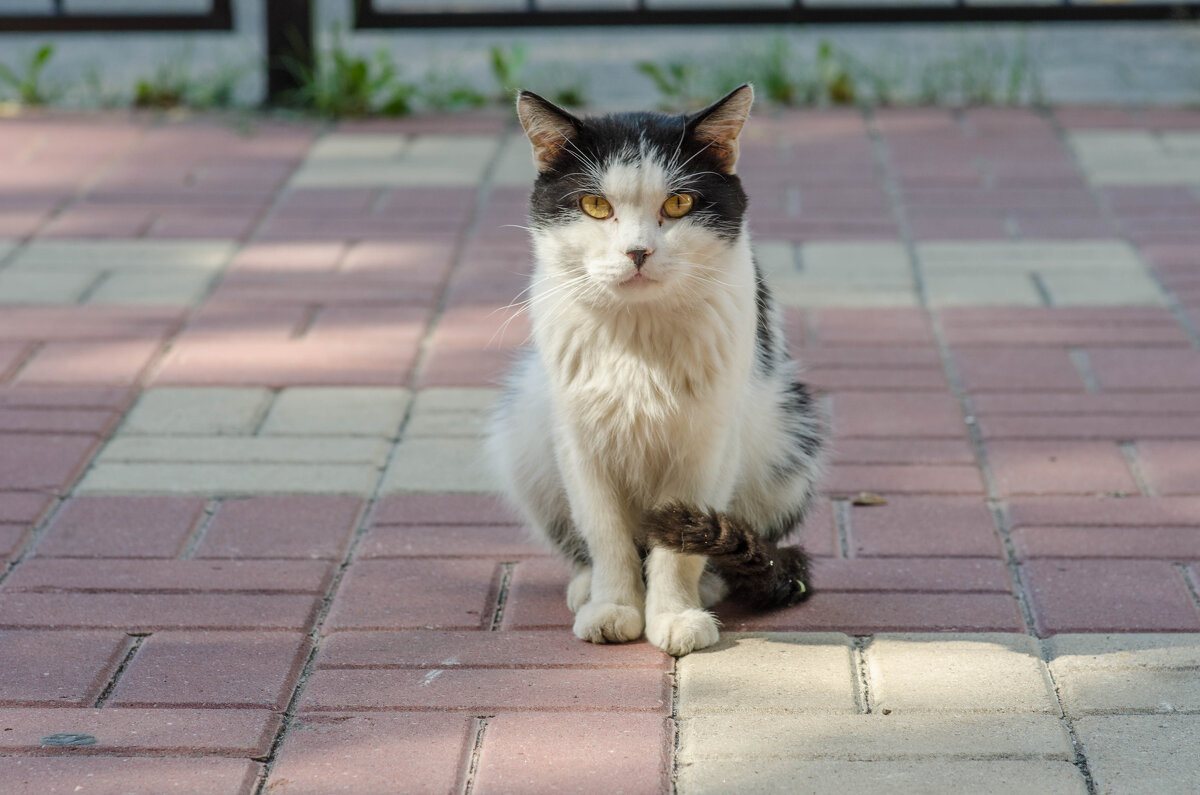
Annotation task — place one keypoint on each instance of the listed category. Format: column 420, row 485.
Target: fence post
column 289, row 46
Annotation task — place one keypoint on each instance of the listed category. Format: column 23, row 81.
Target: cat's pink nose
column 638, row 255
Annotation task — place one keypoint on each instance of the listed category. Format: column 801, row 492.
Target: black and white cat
column 656, row 426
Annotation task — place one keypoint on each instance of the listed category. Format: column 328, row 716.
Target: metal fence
column 62, row 16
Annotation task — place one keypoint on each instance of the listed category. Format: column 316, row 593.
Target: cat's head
column 636, row 207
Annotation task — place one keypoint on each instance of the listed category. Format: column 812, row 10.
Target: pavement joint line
column 1133, row 460
column 138, row 639
column 196, row 535
column 1190, row 583
column 1043, row 291
column 33, row 538
column 862, row 675
column 505, row 583
column 1083, row 365
column 264, row 411
column 676, row 735
column 362, row 524
column 14, row 372
column 841, row 521
column 1080, row 761
column 1172, row 300
column 950, row 369
column 97, row 282
column 305, row 324
column 471, row 768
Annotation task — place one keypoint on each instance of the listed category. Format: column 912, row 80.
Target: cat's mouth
column 638, row 281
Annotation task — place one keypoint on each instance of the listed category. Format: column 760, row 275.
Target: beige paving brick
column 340, row 411
column 33, row 287
column 776, row 672
column 1113, row 157
column 197, row 411
column 983, row 290
column 104, row 255
column 455, row 399
column 446, row 424
column 365, row 160
column 1142, row 753
column 357, row 146
column 514, row 167
column 456, row 465
column 1102, row 289
column 6, row 247
column 229, row 479
column 808, row 735
column 838, row 274
column 952, row 672
column 1025, row 255
column 132, row 287
column 247, row 449
column 1123, row 673
column 919, row 777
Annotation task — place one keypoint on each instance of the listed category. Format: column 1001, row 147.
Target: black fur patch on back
column 602, row 141
column 757, row 571
column 770, row 351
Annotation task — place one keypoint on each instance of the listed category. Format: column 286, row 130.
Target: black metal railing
column 58, row 17
column 531, row 14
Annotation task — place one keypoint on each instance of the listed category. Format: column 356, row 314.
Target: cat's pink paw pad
column 607, row 622
column 682, row 633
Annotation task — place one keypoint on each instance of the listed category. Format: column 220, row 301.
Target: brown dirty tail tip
column 758, row 571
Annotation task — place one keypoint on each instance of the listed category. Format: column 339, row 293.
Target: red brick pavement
column 1038, row 464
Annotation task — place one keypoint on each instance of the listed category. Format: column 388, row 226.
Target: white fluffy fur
column 639, row 395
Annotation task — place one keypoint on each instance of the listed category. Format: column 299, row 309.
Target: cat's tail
column 758, row 571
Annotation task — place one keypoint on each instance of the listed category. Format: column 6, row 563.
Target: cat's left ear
column 548, row 126
column 720, row 124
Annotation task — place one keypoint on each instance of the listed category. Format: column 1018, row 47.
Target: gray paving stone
column 1142, row 753
column 955, row 672
column 439, row 464
column 247, row 450
column 1118, row 157
column 514, row 166
column 455, row 399
column 338, row 411
column 808, row 735
column 357, row 146
column 1124, row 673
column 838, row 274
column 105, row 255
column 771, row 672
column 919, row 777
column 229, row 479
column 33, row 287
column 446, row 425
column 379, row 160
column 131, row 287
column 197, row 411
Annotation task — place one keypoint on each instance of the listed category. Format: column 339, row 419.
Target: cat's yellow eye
column 596, row 206
column 678, row 205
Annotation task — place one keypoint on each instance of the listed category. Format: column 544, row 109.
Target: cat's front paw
column 682, row 633
column 607, row 622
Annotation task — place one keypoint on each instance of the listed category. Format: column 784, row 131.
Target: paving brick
column 484, row 690
column 953, row 673
column 942, row 526
column 459, row 509
column 337, row 411
column 1171, row 466
column 907, row 776
column 12, row 539
column 902, row 451
column 909, row 735
column 475, row 649
column 198, row 411
column 1142, row 369
column 147, row 612
column 42, row 462
column 112, row 362
column 455, row 465
column 242, row 732
column 1105, row 512
column 537, row 595
column 897, row 415
column 886, row 611
column 133, row 775
column 37, row 420
column 741, row 673
column 166, row 576
column 22, row 507
column 1115, row 428
column 1170, row 543
column 1059, row 467
column 125, row 527
column 414, row 593
column 498, row 542
column 229, row 479
column 57, row 668
column 850, row 479
column 921, row 575
column 209, row 669
column 1017, row 370
column 582, row 752
column 281, row 527
column 372, row 753
column 1109, row 596
column 1141, row 753
column 1123, row 673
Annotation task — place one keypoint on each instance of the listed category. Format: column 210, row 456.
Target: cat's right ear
column 548, row 126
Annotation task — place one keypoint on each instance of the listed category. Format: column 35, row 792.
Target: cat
column 655, row 431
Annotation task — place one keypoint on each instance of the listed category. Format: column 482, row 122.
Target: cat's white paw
column 682, row 633
column 579, row 590
column 608, row 622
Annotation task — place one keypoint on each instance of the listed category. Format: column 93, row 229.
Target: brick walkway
column 253, row 547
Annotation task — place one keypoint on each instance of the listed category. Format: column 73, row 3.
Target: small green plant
column 507, row 68
column 28, row 85
column 173, row 85
column 572, row 95
column 835, row 82
column 776, row 76
column 449, row 91
column 674, row 80
column 344, row 84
